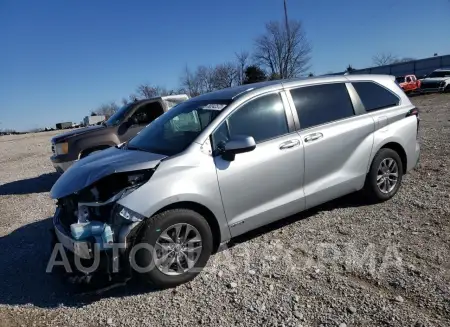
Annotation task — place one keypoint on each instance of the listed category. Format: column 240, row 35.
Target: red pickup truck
column 409, row 83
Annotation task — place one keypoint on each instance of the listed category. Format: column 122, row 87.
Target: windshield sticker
column 214, row 106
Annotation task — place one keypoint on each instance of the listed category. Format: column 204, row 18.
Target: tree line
column 281, row 51
column 387, row 58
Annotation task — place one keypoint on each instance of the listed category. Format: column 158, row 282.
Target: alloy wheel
column 387, row 175
column 177, row 249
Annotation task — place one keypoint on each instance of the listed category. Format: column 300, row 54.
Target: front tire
column 385, row 176
column 180, row 242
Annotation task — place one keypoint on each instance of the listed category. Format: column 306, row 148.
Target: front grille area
column 69, row 210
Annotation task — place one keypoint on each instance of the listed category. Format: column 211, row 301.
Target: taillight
column 414, row 112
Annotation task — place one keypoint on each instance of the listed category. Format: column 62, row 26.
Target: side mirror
column 237, row 144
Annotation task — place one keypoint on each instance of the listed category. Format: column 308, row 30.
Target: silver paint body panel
column 272, row 182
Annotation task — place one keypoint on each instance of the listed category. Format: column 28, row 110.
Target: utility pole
column 286, row 18
column 288, row 34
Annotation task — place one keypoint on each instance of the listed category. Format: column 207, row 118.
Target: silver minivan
column 226, row 162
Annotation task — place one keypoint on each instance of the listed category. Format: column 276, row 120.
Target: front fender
column 182, row 179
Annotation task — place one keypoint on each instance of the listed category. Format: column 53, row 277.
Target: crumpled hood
column 434, row 79
column 60, row 137
column 98, row 165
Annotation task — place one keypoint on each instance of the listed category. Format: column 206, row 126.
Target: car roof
column 442, row 69
column 232, row 93
column 165, row 97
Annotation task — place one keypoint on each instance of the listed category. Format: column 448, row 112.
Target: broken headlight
column 138, row 178
column 129, row 214
column 115, row 186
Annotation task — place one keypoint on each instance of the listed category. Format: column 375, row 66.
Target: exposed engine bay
column 93, row 211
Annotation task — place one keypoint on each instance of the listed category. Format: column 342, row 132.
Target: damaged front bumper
column 89, row 222
column 85, row 249
column 82, row 249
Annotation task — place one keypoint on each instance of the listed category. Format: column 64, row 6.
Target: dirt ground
column 343, row 264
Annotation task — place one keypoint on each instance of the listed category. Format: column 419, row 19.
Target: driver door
column 265, row 184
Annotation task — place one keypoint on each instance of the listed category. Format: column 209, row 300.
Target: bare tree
column 241, row 58
column 385, row 58
column 190, row 83
column 146, row 91
column 107, row 109
column 205, row 76
column 124, row 101
column 150, row 91
column 133, row 97
column 224, row 75
column 284, row 53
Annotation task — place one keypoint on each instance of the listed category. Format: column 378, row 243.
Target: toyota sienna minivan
column 226, row 162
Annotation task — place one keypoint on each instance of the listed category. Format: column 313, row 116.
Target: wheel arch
column 202, row 210
column 397, row 147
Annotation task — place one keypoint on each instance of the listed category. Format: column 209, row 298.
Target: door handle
column 289, row 144
column 313, row 137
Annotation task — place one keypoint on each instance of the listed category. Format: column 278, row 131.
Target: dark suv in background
column 120, row 127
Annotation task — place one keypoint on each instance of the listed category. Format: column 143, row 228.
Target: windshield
column 175, row 130
column 118, row 116
column 441, row 73
column 400, row 79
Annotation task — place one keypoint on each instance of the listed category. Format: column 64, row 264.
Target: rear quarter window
column 375, row 97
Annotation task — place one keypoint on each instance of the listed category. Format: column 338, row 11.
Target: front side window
column 176, row 129
column 118, row 117
column 263, row 118
column 321, row 104
column 374, row 96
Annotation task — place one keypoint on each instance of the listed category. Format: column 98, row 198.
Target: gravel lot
column 343, row 264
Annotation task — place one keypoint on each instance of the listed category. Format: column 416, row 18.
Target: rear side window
column 374, row 96
column 322, row 104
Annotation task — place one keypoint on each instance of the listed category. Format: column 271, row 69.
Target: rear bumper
column 415, row 159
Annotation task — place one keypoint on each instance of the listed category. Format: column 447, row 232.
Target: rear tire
column 384, row 177
column 197, row 233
